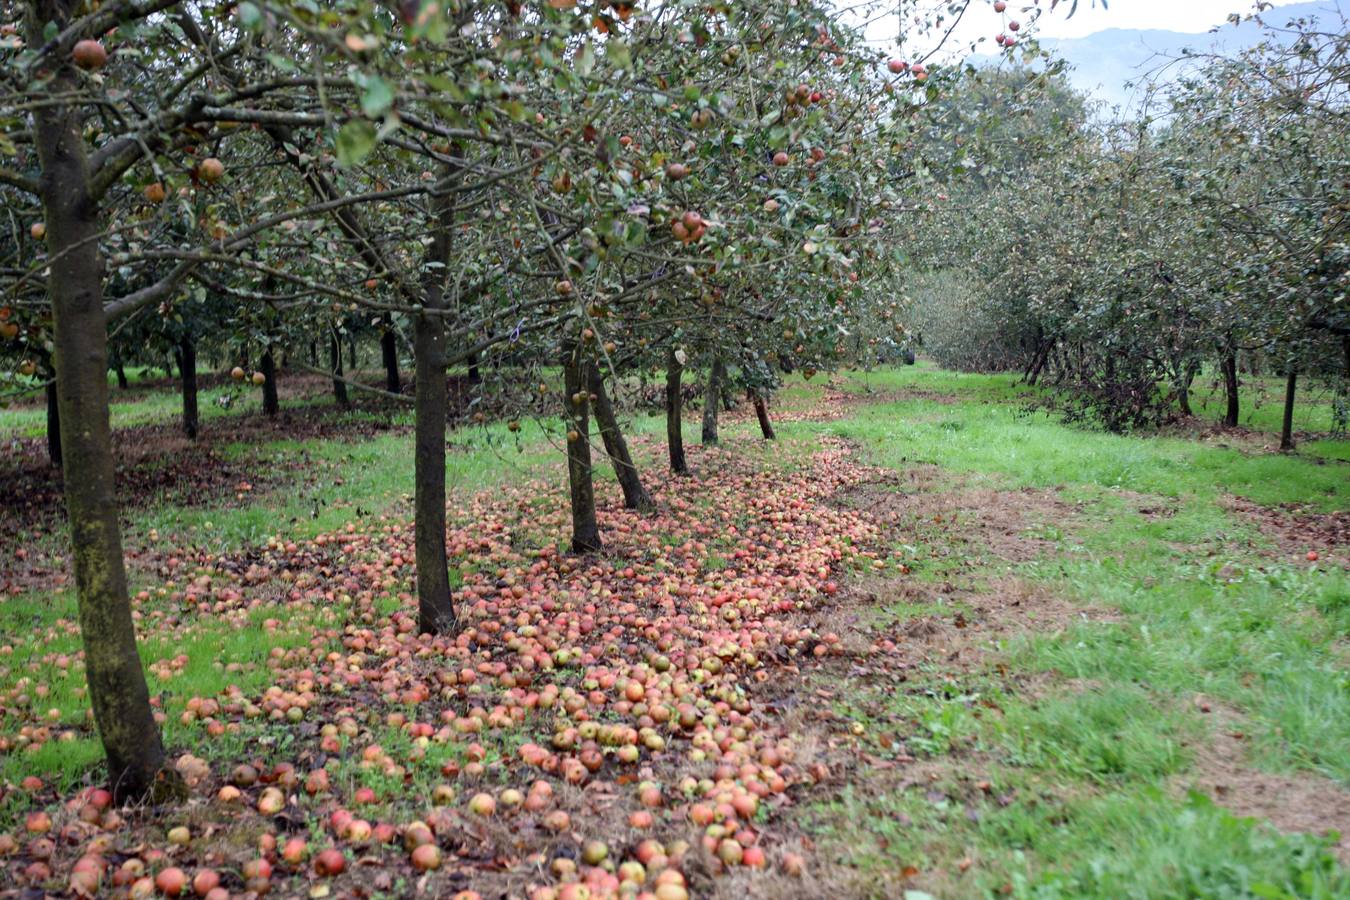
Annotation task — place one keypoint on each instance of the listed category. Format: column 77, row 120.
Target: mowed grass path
column 1061, row 766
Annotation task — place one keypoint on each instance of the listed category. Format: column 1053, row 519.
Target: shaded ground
column 157, row 464
column 230, row 464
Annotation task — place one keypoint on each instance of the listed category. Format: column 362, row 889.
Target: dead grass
column 1303, row 803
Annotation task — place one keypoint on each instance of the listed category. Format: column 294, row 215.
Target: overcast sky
column 980, row 21
column 1172, row 15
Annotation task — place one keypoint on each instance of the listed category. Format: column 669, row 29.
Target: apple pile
column 632, row 676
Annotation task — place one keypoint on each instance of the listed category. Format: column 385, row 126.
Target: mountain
column 1104, row 63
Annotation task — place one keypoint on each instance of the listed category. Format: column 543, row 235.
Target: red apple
column 211, row 170
column 171, row 881
column 89, row 54
column 330, row 862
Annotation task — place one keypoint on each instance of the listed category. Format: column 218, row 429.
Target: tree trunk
column 762, row 413
column 117, row 688
column 581, row 484
column 435, row 609
column 314, row 353
column 121, row 370
column 335, row 363
column 53, row 424
column 1230, row 385
column 389, row 350
column 1287, row 431
column 269, row 370
column 711, row 397
column 1184, row 391
column 635, row 496
column 351, row 354
column 674, row 418
column 1039, row 363
column 187, row 367
column 474, row 376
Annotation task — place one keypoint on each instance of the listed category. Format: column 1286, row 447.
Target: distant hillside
column 1105, row 62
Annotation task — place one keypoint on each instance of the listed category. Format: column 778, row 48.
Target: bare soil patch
column 977, row 521
column 1296, row 530
column 1303, row 803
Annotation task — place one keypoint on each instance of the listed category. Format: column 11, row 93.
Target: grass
column 1049, row 846
column 991, row 434
column 1082, row 799
column 146, row 406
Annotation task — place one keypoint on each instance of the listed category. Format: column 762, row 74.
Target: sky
column 980, row 21
column 1190, row 16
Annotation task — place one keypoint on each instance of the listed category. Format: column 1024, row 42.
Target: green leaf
column 617, row 53
column 444, row 85
column 586, row 60
column 250, row 16
column 377, row 97
column 355, row 140
column 284, row 63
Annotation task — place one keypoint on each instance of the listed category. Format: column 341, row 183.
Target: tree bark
column 1039, row 363
column 117, row 688
column 435, row 608
column 187, row 367
column 335, row 363
column 53, row 425
column 389, row 350
column 1230, row 385
column 674, row 417
column 1287, row 429
column 271, row 406
column 353, row 363
column 1184, row 391
column 711, row 397
column 635, row 496
column 762, row 413
column 580, row 481
column 474, row 376
column 121, row 370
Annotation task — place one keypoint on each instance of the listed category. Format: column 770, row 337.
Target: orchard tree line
column 559, row 196
column 1208, row 237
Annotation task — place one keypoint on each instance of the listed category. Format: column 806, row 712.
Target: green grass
column 1261, row 403
column 343, row 481
column 1089, row 767
column 991, row 434
column 147, row 406
column 1050, row 845
column 1261, row 399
